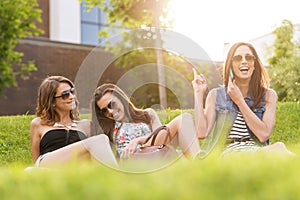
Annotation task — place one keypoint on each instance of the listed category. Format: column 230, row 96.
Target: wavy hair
column 45, row 102
column 259, row 82
column 102, row 124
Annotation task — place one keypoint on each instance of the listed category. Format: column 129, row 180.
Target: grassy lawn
column 258, row 176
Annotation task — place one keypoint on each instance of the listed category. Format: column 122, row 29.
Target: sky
column 211, row 23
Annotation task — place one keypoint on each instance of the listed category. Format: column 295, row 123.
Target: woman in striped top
column 245, row 96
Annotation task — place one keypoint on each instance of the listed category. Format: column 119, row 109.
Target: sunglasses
column 65, row 94
column 110, row 105
column 248, row 58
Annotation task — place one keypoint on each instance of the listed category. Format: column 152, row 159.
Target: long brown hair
column 45, row 102
column 259, row 82
column 102, row 124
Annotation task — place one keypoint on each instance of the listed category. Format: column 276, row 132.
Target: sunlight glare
column 213, row 23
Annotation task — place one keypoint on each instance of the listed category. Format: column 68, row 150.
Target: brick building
column 70, row 36
column 54, row 54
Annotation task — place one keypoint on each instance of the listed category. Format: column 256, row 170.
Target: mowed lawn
column 259, row 176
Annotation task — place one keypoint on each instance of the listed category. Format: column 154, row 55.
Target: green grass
column 253, row 177
column 257, row 176
column 15, row 139
column 287, row 126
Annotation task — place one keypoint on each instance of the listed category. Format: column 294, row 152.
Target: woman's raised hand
column 199, row 83
column 234, row 92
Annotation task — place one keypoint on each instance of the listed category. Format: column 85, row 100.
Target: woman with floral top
column 127, row 127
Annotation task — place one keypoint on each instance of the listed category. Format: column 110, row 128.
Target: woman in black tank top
column 57, row 134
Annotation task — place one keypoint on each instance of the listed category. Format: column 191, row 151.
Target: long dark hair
column 259, row 82
column 102, row 124
column 45, row 102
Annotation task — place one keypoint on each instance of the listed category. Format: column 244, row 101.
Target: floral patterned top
column 125, row 132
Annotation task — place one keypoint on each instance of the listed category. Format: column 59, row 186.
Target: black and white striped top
column 239, row 138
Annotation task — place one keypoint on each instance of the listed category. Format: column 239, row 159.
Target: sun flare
column 213, row 23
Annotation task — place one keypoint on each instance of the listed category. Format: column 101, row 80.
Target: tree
column 17, row 20
column 134, row 14
column 286, row 78
column 283, row 45
column 284, row 65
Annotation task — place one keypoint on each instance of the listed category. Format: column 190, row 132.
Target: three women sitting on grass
column 57, row 134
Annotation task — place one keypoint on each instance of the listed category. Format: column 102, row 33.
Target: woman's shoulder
column 36, row 122
column 271, row 91
column 271, row 95
column 36, row 127
column 84, row 125
column 85, row 121
column 221, row 91
column 150, row 111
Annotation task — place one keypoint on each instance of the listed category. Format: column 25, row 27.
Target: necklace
column 60, row 125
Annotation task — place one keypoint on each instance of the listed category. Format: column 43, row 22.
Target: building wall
column 64, row 19
column 56, row 52
column 51, row 58
column 44, row 6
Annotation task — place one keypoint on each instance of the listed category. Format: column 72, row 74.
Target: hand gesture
column 234, row 92
column 199, row 83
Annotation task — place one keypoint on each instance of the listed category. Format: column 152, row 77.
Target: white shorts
column 39, row 159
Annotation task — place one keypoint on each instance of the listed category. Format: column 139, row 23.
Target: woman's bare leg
column 182, row 128
column 66, row 154
column 97, row 147
column 100, row 149
column 277, row 147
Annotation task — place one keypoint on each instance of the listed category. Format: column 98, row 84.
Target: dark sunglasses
column 65, row 94
column 110, row 105
column 248, row 58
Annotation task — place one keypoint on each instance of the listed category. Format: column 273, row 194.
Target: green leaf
column 18, row 20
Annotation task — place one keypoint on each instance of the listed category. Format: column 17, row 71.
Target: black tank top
column 58, row 138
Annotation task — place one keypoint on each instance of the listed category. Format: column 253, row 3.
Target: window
column 91, row 23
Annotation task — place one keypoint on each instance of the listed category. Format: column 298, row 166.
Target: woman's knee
column 95, row 141
column 102, row 137
column 183, row 118
column 187, row 115
column 279, row 145
column 102, row 140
